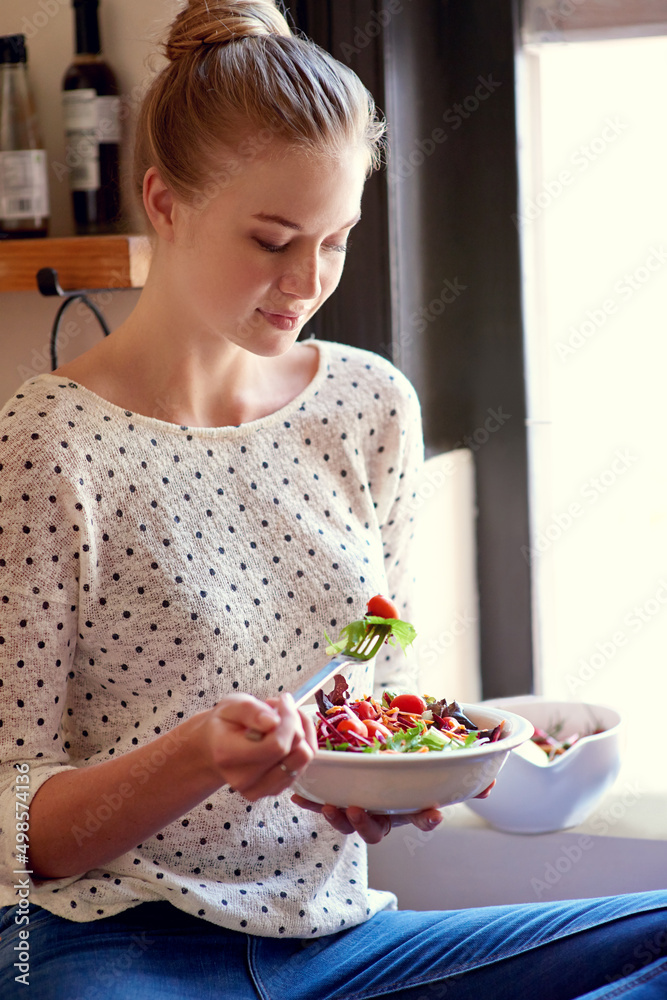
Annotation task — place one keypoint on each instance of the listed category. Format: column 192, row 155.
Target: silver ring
column 283, row 767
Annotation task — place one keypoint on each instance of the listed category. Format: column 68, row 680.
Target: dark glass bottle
column 24, row 190
column 91, row 110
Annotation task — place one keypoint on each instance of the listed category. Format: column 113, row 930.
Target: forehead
column 309, row 190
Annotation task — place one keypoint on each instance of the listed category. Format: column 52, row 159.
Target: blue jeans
column 591, row 948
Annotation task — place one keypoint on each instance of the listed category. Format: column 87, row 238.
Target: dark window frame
column 448, row 219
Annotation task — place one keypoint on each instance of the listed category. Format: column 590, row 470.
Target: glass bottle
column 91, row 111
column 24, row 189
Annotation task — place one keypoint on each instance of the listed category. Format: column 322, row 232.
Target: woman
column 185, row 509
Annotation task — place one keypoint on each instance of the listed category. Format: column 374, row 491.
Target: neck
column 157, row 363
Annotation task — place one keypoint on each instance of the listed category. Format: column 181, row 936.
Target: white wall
column 130, row 30
column 446, row 599
column 25, row 326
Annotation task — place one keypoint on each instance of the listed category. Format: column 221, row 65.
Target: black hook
column 48, row 284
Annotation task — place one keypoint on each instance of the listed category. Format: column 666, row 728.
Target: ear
column 159, row 204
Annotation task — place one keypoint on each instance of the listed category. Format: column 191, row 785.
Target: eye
column 271, row 247
column 337, row 247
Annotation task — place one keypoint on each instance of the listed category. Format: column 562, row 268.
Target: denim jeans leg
column 150, row 952
column 562, row 949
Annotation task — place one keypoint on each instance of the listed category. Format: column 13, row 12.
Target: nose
column 301, row 277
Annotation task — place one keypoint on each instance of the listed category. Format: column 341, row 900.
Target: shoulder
column 40, row 397
column 36, row 421
column 358, row 373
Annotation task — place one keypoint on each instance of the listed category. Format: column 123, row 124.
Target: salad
column 551, row 740
column 399, row 723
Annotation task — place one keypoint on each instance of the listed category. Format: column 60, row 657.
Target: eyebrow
column 263, row 217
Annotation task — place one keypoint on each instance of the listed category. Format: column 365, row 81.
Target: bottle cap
column 12, row 49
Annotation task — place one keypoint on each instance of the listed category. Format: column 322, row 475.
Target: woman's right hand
column 256, row 767
column 157, row 782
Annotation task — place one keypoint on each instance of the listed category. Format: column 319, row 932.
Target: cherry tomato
column 382, row 607
column 363, row 709
column 374, row 727
column 352, row 726
column 410, row 703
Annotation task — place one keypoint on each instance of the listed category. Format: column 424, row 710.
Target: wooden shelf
column 81, row 262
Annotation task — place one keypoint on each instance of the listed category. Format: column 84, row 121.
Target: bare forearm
column 82, row 819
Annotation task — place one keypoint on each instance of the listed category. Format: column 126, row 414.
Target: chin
column 270, row 344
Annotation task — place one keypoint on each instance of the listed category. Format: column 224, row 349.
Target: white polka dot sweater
column 146, row 570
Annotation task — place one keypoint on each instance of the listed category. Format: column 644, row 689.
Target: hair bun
column 216, row 22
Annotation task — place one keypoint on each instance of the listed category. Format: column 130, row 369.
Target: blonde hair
column 237, row 79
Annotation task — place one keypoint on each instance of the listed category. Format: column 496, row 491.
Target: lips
column 282, row 321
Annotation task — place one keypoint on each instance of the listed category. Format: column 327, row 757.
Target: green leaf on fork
column 362, row 639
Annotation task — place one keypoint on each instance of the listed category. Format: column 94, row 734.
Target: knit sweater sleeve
column 40, row 532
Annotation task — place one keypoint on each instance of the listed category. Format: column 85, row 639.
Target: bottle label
column 108, row 119
column 24, row 189
column 89, row 121
column 82, row 154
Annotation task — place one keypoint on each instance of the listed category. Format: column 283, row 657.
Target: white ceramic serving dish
column 534, row 797
column 407, row 783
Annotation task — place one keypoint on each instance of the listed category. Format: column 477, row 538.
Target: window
column 593, row 227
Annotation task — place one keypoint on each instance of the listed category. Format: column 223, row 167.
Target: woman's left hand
column 372, row 827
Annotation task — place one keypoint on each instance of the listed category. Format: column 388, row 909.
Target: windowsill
column 622, row 847
column 629, row 809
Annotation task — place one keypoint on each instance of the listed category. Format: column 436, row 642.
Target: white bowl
column 541, row 798
column 409, row 782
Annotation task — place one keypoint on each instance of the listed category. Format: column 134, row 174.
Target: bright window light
column 593, row 224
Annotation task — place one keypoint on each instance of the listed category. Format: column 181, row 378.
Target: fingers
column 308, row 804
column 487, row 791
column 276, row 722
column 426, row 820
column 371, row 828
column 336, row 817
column 267, row 766
column 248, row 713
column 310, row 732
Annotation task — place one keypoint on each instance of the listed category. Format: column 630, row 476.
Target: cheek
column 235, row 276
column 330, row 275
